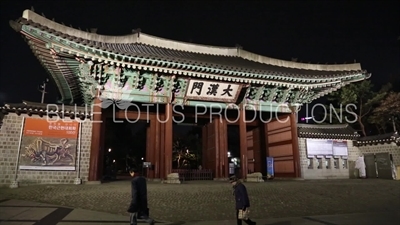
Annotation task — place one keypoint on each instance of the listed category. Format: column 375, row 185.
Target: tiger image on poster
column 46, row 153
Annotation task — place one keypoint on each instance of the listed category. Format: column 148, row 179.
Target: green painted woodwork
column 129, row 85
column 132, row 86
column 150, row 80
column 219, row 107
column 270, row 93
column 58, row 78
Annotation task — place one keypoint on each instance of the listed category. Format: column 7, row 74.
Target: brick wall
column 327, row 173
column 391, row 148
column 9, row 142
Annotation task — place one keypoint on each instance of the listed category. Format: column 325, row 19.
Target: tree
column 186, row 151
column 387, row 113
column 358, row 100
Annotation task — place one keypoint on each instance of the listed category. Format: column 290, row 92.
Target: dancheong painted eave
column 61, row 49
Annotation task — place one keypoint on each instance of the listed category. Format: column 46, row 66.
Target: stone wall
column 339, row 172
column 9, row 142
column 391, row 148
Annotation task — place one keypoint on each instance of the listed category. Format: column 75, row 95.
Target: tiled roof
column 41, row 109
column 62, row 50
column 329, row 131
column 190, row 53
column 379, row 139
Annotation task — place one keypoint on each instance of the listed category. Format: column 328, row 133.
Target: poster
column 270, row 167
column 340, row 148
column 319, row 147
column 48, row 145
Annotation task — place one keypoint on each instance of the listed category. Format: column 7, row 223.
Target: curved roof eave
column 53, row 69
column 187, row 47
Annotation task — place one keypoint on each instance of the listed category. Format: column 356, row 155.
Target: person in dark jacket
column 241, row 199
column 138, row 206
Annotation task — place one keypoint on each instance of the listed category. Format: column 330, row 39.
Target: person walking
column 360, row 165
column 138, row 207
column 242, row 201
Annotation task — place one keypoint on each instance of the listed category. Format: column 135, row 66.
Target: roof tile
column 216, row 61
column 331, row 131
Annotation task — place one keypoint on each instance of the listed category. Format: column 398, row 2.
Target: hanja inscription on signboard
column 212, row 91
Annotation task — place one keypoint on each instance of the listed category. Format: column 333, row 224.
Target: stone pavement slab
column 213, row 201
column 384, row 218
column 13, row 212
column 361, row 218
column 16, row 223
column 88, row 215
column 95, row 223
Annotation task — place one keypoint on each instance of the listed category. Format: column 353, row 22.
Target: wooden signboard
column 206, row 90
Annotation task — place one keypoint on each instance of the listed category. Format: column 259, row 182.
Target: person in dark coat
column 138, row 206
column 241, row 199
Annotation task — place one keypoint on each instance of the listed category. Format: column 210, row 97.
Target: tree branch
column 361, row 105
column 366, row 112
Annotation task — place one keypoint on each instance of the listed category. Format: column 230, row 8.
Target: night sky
column 314, row 31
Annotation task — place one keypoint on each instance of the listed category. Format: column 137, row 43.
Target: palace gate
column 115, row 72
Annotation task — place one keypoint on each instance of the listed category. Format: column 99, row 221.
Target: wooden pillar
column 223, row 148
column 150, row 147
column 217, row 136
column 263, row 142
column 257, row 150
column 157, row 147
column 264, row 137
column 243, row 142
column 101, row 148
column 215, row 147
column 211, row 148
column 204, row 140
column 250, row 150
column 168, row 139
column 295, row 145
column 95, row 164
column 162, row 147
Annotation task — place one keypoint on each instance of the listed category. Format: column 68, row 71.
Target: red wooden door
column 283, row 146
column 210, row 149
column 250, row 152
column 215, row 145
column 255, row 158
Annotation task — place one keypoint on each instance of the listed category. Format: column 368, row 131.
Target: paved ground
column 213, row 201
column 31, row 213
column 24, row 212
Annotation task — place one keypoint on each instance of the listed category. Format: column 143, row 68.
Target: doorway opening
column 124, row 146
column 233, row 150
column 187, row 148
column 188, row 145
